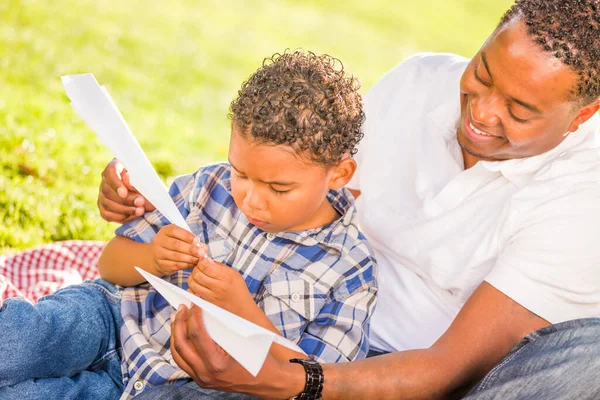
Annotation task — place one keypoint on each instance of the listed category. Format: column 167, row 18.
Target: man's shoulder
column 423, row 68
column 422, row 82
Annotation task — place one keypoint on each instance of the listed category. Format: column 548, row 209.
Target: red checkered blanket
column 37, row 272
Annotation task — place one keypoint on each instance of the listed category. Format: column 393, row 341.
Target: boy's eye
column 279, row 191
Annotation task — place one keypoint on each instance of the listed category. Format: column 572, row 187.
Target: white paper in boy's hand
column 95, row 106
column 246, row 342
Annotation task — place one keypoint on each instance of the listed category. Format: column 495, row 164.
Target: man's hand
column 222, row 286
column 211, row 367
column 118, row 201
column 174, row 249
column 191, row 345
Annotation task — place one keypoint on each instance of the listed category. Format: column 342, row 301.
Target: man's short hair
column 303, row 101
column 570, row 31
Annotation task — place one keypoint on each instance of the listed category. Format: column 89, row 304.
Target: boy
column 279, row 230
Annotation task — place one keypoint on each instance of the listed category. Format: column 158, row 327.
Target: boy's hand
column 221, row 285
column 174, row 249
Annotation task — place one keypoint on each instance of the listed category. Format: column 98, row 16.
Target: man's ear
column 342, row 172
column 585, row 113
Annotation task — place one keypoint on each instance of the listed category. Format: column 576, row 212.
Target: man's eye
column 484, row 83
column 519, row 120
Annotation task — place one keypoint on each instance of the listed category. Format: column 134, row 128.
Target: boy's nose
column 254, row 200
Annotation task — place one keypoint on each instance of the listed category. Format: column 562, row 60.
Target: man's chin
column 467, row 148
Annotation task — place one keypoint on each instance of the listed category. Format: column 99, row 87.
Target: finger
column 165, row 255
column 167, row 267
column 200, row 278
column 181, row 346
column 201, row 291
column 178, row 322
column 205, row 347
column 110, row 175
column 180, row 246
column 115, row 217
column 109, row 192
column 211, row 268
column 127, row 180
column 117, row 207
column 179, row 233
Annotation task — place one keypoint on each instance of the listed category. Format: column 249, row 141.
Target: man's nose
column 484, row 110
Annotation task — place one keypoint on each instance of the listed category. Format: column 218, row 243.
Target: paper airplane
column 245, row 341
column 95, row 106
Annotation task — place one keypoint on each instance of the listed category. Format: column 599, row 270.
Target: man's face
column 276, row 190
column 514, row 99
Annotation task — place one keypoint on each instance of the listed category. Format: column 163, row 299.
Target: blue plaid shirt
column 317, row 287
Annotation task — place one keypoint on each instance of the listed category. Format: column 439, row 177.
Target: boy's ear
column 343, row 171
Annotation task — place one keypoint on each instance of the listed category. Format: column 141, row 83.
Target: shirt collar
column 333, row 234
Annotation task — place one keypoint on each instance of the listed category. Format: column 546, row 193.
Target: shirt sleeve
column 144, row 228
column 551, row 261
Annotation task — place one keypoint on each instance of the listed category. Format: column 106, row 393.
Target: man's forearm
column 415, row 374
column 120, row 256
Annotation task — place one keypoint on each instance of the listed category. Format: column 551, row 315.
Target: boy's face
column 276, row 190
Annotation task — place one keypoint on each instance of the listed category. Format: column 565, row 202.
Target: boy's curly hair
column 570, row 31
column 304, row 101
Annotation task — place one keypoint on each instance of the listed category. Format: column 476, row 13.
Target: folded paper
column 98, row 110
column 246, row 342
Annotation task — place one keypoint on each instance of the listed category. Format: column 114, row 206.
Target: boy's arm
column 120, row 256
column 171, row 250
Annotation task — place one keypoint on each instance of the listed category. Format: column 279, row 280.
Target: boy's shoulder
column 348, row 263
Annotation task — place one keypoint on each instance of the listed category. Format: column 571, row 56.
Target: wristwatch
column 313, row 388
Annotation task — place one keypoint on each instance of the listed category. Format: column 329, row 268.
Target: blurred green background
column 173, row 68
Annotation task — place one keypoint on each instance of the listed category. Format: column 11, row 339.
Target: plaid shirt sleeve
column 144, row 228
column 329, row 322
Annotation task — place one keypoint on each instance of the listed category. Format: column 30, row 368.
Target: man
column 484, row 212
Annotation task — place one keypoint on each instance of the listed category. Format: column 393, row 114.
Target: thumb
column 127, row 180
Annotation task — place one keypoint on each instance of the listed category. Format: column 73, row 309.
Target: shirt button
column 270, row 236
column 295, row 296
column 138, row 385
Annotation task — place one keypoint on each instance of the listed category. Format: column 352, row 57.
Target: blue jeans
column 65, row 347
column 560, row 361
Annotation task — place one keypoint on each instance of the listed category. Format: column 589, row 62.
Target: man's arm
column 487, row 327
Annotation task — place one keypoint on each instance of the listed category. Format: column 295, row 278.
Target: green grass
column 172, row 68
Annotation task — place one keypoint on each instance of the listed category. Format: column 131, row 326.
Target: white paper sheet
column 95, row 106
column 248, row 343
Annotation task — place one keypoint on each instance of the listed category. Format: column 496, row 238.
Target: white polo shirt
column 530, row 227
